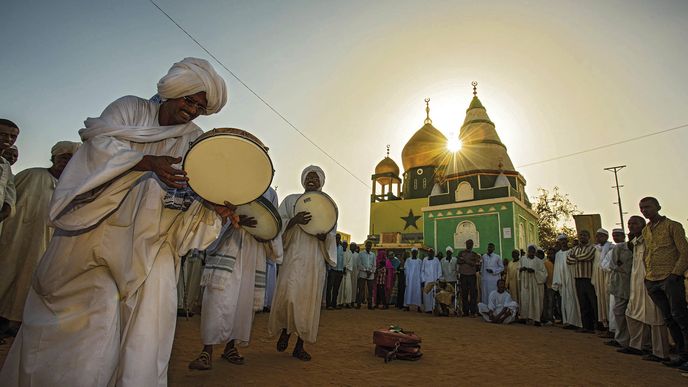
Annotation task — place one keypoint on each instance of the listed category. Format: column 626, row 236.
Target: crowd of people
column 91, row 252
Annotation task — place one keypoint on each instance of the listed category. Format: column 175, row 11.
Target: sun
column 454, row 145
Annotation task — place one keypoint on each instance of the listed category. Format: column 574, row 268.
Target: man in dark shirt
column 469, row 260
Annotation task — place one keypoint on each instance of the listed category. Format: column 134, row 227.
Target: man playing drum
column 296, row 304
column 102, row 309
column 234, row 269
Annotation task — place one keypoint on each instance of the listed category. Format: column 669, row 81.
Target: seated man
column 500, row 309
column 445, row 299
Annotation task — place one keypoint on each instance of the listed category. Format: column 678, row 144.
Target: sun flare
column 454, row 145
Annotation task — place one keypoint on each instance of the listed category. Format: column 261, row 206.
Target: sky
column 556, row 77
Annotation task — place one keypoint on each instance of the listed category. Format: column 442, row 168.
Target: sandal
column 202, row 362
column 301, row 354
column 233, row 356
column 283, row 341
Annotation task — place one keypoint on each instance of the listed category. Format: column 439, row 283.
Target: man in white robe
column 270, row 283
column 620, row 261
column 412, row 270
column 366, row 276
column 500, row 308
column 490, row 272
column 9, row 131
column 512, row 273
column 431, row 271
column 298, row 297
column 532, row 277
column 600, row 280
column 346, row 292
column 26, row 234
column 646, row 327
column 102, row 308
column 230, row 279
column 11, row 154
column 564, row 283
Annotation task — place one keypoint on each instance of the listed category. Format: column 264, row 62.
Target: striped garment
column 582, row 257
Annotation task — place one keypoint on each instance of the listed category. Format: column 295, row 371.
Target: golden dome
column 426, row 147
column 387, row 165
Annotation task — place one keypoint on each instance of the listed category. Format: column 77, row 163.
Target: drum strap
column 218, row 268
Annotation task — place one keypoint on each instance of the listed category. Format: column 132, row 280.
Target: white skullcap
column 603, row 231
column 191, row 76
column 449, row 248
column 617, row 231
column 63, row 147
column 317, row 170
column 414, row 249
column 562, row 237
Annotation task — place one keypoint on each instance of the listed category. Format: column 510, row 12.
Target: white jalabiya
column 103, row 301
column 189, row 285
column 496, row 303
column 564, row 282
column 600, row 280
column 346, row 294
column 532, row 292
column 270, row 282
column 298, row 297
column 413, row 292
column 229, row 279
column 431, row 271
column 512, row 284
column 24, row 240
column 488, row 281
column 8, row 193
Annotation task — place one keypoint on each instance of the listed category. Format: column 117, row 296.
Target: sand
column 457, row 351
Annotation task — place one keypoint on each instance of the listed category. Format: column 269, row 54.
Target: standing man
column 490, row 272
column 401, row 281
column 298, row 297
column 334, row 276
column 26, row 234
column 620, row 262
column 431, row 272
column 666, row 261
column 366, row 276
column 468, row 262
column 413, row 293
column 9, row 131
column 450, row 266
column 644, row 318
column 564, row 282
column 346, row 292
column 512, row 272
column 600, row 280
column 581, row 259
column 532, row 279
column 550, row 311
column 104, row 298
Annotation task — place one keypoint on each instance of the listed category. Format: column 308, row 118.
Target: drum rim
column 202, row 138
column 336, row 210
column 273, row 211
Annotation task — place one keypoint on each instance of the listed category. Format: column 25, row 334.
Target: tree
column 555, row 213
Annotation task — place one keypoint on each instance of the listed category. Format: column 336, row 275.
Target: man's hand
column 162, row 166
column 226, row 211
column 303, row 217
column 322, row 237
column 247, row 221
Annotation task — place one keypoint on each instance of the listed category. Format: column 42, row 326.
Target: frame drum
column 269, row 222
column 228, row 164
column 323, row 210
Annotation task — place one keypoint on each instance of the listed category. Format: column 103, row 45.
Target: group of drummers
column 146, row 187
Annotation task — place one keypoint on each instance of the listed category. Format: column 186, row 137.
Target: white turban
column 617, row 231
column 191, row 76
column 603, row 231
column 562, row 237
column 414, row 249
column 317, row 170
column 449, row 248
column 63, row 147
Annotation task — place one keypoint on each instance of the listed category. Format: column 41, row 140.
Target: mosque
column 444, row 198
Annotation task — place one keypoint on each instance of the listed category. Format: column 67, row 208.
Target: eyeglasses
column 199, row 108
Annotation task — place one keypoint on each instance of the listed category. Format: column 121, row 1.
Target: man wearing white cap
column 102, row 308
column 413, row 293
column 430, row 273
column 600, row 280
column 620, row 261
column 564, row 282
column 449, row 267
column 490, row 272
column 26, row 234
column 532, row 277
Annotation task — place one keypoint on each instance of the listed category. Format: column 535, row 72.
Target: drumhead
column 269, row 223
column 323, row 210
column 227, row 167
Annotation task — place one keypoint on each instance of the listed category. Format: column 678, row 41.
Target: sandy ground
column 457, row 351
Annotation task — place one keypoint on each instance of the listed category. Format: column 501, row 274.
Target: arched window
column 464, row 231
column 463, row 192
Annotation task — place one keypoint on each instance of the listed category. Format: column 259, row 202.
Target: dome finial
column 387, row 150
column 427, row 111
column 475, row 88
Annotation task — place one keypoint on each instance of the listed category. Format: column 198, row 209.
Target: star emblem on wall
column 410, row 220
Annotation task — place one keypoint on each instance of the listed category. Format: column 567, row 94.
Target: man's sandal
column 283, row 341
column 233, row 356
column 301, row 354
column 202, row 362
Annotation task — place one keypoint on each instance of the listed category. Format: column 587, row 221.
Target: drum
column 228, row 164
column 323, row 210
column 269, row 222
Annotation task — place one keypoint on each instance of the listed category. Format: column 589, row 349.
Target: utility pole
column 618, row 187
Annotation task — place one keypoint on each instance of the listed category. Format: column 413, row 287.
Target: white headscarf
column 62, row 147
column 318, row 171
column 449, row 248
column 191, row 76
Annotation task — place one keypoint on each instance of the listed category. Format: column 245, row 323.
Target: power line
column 266, row 103
column 604, row 146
